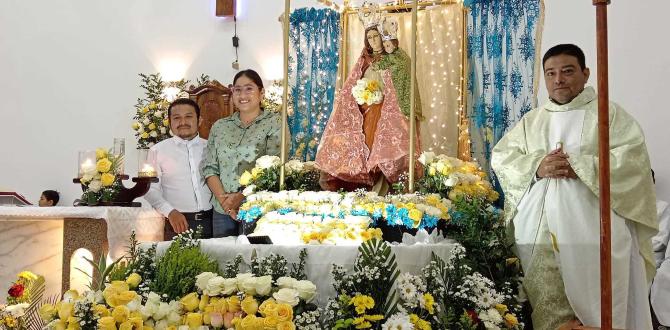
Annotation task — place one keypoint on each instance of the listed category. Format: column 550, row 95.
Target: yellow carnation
column 166, row 123
column 255, row 172
column 152, row 126
column 28, row 275
column 432, row 171
column 136, row 126
column 107, row 179
column 133, row 279
column 190, row 302
column 103, row 165
column 144, row 135
column 245, row 178
column 106, row 323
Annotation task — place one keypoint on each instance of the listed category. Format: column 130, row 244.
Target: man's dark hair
column 566, row 49
column 184, row 101
column 51, row 195
column 251, row 74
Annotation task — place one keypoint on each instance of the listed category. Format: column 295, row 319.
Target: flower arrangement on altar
column 454, row 178
column 446, row 295
column 271, row 295
column 99, row 179
column 151, row 123
column 135, row 293
column 265, row 175
column 274, row 96
column 367, row 91
column 339, row 218
column 24, row 297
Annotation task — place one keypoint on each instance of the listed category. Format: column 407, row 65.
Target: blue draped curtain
column 502, row 56
column 313, row 59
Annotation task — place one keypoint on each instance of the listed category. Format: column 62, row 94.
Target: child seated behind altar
column 49, row 198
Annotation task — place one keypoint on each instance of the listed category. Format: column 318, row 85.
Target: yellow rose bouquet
column 99, row 180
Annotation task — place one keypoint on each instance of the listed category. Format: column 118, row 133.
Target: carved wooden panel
column 215, row 103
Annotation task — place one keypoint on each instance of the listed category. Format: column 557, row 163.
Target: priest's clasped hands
column 555, row 165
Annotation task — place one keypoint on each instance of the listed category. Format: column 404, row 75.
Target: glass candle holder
column 146, row 163
column 119, row 150
column 86, row 163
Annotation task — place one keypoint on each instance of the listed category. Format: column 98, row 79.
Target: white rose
column 248, row 190
column 214, row 286
column 202, row 280
column 161, row 325
column 241, row 278
column 229, row 286
column 158, row 114
column 287, row 296
column 249, row 285
column 306, row 290
column 426, row 157
column 153, row 134
column 267, row 161
column 286, row 282
column 263, row 285
column 162, row 311
column 135, row 304
column 95, row 185
column 163, row 130
column 148, row 310
column 451, row 181
column 146, row 121
column 183, row 327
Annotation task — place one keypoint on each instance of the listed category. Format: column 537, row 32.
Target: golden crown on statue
column 369, row 14
column 388, row 28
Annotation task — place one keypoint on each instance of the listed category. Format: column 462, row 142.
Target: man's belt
column 197, row 216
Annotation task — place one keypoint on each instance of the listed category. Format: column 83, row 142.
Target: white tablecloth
column 320, row 258
column 121, row 221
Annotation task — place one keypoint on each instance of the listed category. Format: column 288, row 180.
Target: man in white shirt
column 181, row 195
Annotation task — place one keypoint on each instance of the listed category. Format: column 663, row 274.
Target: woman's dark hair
column 566, row 49
column 251, row 74
column 184, row 101
column 51, row 195
column 368, row 48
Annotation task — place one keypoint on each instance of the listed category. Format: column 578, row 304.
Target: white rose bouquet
column 367, row 91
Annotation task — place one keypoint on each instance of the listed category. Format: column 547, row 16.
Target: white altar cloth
column 31, row 238
column 320, row 258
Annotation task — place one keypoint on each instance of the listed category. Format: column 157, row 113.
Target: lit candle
column 147, row 171
column 86, row 166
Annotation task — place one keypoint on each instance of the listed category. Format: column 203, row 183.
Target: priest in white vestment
column 548, row 168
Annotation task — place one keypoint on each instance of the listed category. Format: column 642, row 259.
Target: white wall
column 68, row 70
column 639, row 64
